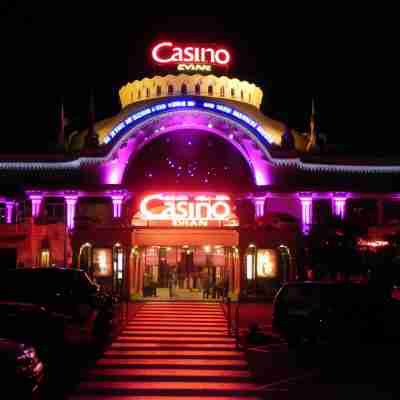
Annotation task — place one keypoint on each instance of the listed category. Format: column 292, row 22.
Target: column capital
column 340, row 195
column 118, row 194
column 70, row 194
column 117, row 197
column 34, row 194
column 305, row 196
column 36, row 197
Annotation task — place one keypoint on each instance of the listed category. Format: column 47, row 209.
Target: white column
column 70, row 201
column 9, row 211
column 117, row 205
column 259, row 203
column 339, row 205
column 117, row 198
column 36, row 200
column 306, row 212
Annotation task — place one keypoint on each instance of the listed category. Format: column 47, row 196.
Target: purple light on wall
column 9, row 211
column 71, row 201
column 306, row 212
column 117, row 205
column 36, row 200
column 339, row 205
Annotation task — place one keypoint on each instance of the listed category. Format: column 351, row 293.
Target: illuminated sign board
column 190, row 58
column 102, row 262
column 266, row 263
column 185, row 210
column 184, row 104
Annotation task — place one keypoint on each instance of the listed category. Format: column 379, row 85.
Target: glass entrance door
column 203, row 269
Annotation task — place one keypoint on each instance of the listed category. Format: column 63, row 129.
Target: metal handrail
column 227, row 312
column 237, row 325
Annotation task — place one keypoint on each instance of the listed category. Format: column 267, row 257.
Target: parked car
column 22, row 372
column 86, row 310
column 33, row 324
column 334, row 312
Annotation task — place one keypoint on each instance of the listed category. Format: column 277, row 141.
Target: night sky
column 339, row 58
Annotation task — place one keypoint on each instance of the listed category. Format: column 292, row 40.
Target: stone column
column 339, row 205
column 117, row 197
column 36, row 200
column 259, row 204
column 117, row 205
column 70, row 201
column 306, row 212
column 9, row 211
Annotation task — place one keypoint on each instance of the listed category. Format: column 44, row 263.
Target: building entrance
column 187, row 271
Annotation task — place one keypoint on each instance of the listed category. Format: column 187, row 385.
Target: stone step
column 167, row 340
column 172, row 363
column 175, row 354
column 151, row 397
column 169, row 346
column 172, row 333
column 171, row 372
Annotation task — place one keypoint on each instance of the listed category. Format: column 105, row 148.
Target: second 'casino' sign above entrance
column 184, row 210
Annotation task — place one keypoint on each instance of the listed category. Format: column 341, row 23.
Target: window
column 210, row 90
column 158, row 90
column 2, row 214
column 45, row 258
column 170, row 90
column 55, row 210
column 197, row 89
column 232, row 92
column 241, row 94
column 147, row 92
column 139, row 95
column 184, row 89
column 222, row 93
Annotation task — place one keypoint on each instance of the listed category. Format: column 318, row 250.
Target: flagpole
column 65, row 234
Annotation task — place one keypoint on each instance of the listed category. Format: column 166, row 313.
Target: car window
column 300, row 295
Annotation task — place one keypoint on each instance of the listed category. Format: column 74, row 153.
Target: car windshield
column 324, row 294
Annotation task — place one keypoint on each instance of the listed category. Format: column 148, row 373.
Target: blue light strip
column 188, row 104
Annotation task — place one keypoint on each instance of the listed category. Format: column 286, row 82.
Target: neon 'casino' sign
column 184, row 210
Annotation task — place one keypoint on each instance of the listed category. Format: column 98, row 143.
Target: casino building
column 121, row 202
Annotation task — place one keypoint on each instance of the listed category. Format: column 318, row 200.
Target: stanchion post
column 228, row 302
column 237, row 325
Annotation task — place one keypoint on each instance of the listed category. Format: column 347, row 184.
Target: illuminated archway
column 140, row 128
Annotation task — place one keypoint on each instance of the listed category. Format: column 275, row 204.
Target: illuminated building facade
column 100, row 208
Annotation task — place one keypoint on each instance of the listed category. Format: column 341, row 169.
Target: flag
column 61, row 129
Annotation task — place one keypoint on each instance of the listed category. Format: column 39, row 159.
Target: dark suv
column 87, row 310
column 318, row 312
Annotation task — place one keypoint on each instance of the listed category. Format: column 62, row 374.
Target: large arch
column 141, row 127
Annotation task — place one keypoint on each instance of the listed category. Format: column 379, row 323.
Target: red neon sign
column 168, row 53
column 185, row 211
